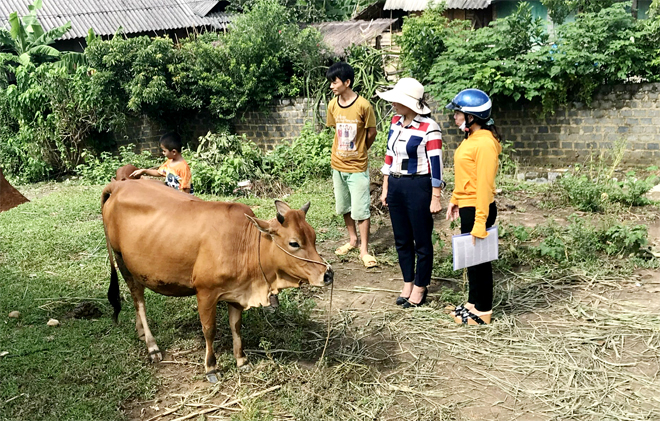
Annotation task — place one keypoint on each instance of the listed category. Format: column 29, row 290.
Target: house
column 175, row 18
column 341, row 35
column 477, row 11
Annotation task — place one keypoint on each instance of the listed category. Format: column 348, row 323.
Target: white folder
column 466, row 254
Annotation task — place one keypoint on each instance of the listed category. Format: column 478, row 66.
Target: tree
column 560, row 9
column 28, row 40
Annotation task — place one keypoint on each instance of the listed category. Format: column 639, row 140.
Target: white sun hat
column 408, row 92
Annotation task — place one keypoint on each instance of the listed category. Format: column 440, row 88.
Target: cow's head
column 295, row 254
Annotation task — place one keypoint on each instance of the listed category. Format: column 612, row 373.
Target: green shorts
column 352, row 194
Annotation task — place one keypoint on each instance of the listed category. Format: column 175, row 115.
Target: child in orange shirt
column 175, row 170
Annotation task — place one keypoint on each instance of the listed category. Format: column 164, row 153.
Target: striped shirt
column 414, row 149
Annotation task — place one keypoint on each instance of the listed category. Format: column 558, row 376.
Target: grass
column 53, row 257
column 561, row 347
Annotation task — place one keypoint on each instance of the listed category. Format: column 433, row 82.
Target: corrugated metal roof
column 204, row 7
column 341, row 35
column 106, row 16
column 419, row 5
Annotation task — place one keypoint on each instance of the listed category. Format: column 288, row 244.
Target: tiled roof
column 106, row 16
column 418, row 5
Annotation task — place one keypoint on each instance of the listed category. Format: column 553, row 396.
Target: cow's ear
column 282, row 208
column 261, row 225
column 305, row 207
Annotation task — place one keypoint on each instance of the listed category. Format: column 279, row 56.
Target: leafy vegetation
column 422, row 39
column 307, row 157
column 57, row 114
column 515, row 58
column 223, row 160
column 99, row 169
column 30, row 43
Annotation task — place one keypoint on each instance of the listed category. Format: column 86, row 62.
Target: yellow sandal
column 369, row 261
column 344, row 249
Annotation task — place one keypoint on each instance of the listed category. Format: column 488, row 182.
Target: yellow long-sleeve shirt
column 475, row 167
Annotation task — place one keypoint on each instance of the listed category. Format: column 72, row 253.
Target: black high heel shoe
column 401, row 300
column 409, row 303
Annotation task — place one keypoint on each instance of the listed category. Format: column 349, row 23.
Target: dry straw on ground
column 579, row 355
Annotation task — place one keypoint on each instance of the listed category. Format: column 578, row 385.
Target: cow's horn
column 305, row 207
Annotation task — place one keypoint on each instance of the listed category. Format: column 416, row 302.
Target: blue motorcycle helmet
column 472, row 101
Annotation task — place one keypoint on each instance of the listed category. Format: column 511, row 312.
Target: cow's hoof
column 245, row 368
column 241, row 361
column 211, row 377
column 156, row 356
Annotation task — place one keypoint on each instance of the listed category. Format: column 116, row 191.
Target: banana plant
column 28, row 40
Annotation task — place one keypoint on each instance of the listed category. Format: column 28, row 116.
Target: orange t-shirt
column 177, row 174
column 349, row 149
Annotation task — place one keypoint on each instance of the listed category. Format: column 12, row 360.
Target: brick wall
column 284, row 121
column 630, row 112
column 570, row 135
column 144, row 133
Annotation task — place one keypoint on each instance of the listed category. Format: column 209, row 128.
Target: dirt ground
column 452, row 380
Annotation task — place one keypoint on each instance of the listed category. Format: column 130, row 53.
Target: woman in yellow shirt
column 475, row 167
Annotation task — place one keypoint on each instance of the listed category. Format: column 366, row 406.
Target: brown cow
column 176, row 244
column 124, row 173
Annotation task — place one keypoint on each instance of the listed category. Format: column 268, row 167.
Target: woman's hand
column 383, row 198
column 436, row 207
column 452, row 212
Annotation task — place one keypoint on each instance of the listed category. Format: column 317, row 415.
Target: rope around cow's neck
column 332, row 287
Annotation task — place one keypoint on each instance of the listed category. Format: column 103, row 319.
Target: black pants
column 480, row 277
column 409, row 201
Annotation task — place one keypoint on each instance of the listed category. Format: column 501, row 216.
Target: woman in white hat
column 412, row 183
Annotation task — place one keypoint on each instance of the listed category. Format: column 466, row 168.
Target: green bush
column 591, row 191
column 582, row 240
column 306, row 157
column 223, row 160
column 422, row 39
column 583, row 193
column 631, row 190
column 515, row 58
column 624, row 239
column 55, row 115
column 99, row 169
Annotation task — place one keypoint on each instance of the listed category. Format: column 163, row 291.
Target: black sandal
column 465, row 314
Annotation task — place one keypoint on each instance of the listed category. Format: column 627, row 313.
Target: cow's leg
column 137, row 292
column 235, row 317
column 206, row 305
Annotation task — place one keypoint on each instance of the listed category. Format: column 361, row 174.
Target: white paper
column 466, row 254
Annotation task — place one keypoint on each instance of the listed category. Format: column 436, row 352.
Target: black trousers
column 409, row 201
column 480, row 277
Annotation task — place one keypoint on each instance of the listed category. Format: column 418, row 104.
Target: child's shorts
column 352, row 194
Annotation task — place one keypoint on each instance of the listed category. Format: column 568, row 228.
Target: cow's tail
column 113, row 290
